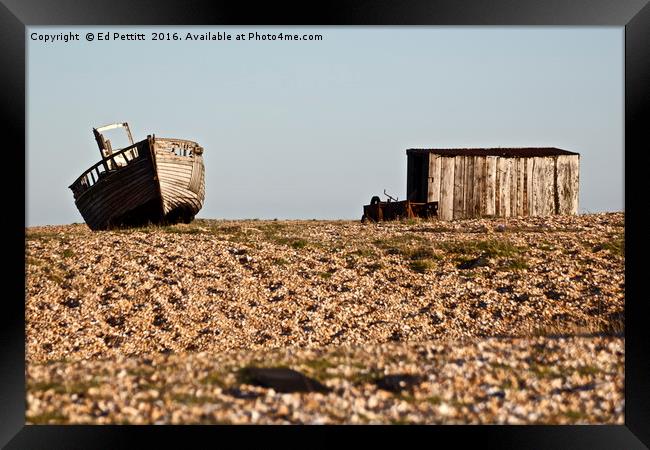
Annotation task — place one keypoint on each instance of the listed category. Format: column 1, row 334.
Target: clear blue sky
column 314, row 129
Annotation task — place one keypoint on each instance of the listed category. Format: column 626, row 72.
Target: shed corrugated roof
column 507, row 152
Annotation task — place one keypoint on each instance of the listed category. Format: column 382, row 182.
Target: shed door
column 418, row 174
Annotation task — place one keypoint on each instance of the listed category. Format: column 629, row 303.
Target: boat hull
column 163, row 184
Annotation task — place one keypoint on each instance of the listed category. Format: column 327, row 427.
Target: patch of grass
column 542, row 371
column 517, row 263
column 326, row 275
column 588, row 370
column 491, row 248
column 366, row 376
column 64, row 388
column 615, row 246
column 67, row 253
column 423, row 253
column 401, row 243
column 30, row 260
column 545, row 246
column 364, row 252
column 576, row 415
column 177, row 229
column 373, row 267
column 421, row 265
column 318, row 368
column 280, row 261
column 47, row 418
column 188, row 399
column 213, row 379
column 293, row 242
column 40, row 235
column 53, row 276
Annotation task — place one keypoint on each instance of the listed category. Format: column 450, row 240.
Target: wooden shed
column 497, row 182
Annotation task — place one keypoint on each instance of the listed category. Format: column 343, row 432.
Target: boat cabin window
column 113, row 138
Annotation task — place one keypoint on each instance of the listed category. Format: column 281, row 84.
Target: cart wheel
column 364, row 219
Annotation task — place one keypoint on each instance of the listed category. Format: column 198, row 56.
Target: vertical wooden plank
column 459, row 180
column 513, row 186
column 507, row 164
column 530, row 206
column 433, row 194
column 503, row 168
column 543, row 181
column 549, row 191
column 521, row 173
column 567, row 183
column 490, row 184
column 574, row 163
column 562, row 189
column 480, row 191
column 538, row 186
column 497, row 192
column 469, row 187
column 446, row 203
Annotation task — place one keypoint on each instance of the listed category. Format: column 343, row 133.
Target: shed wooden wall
column 476, row 186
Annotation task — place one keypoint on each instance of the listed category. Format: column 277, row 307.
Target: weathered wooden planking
column 475, row 186
column 447, row 181
column 468, row 205
column 575, row 184
column 478, row 183
column 567, row 184
column 151, row 188
column 520, row 172
column 513, row 186
column 490, row 184
column 549, row 187
column 197, row 176
column 114, row 196
column 459, row 187
column 503, row 194
column 543, row 186
column 181, row 182
column 529, row 208
column 433, row 193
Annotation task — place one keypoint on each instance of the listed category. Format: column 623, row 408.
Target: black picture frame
column 15, row 15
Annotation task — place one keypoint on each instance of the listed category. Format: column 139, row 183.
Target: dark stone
column 498, row 394
column 113, row 341
column 572, row 389
column 238, row 393
column 280, row 379
column 436, row 320
column 521, row 298
column 398, row 382
column 72, row 303
column 553, row 295
column 396, row 336
column 481, row 261
column 504, row 289
column 159, row 320
column 115, row 321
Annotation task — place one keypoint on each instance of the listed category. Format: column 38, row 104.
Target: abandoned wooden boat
column 156, row 180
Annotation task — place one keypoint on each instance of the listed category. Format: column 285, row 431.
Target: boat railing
column 179, row 147
column 108, row 165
